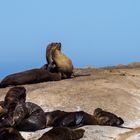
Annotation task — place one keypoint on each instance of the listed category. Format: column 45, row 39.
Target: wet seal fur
column 29, row 77
column 77, row 119
column 63, row 134
column 13, row 96
column 24, row 116
column 10, row 134
column 29, row 117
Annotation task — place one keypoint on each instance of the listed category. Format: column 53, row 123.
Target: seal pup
column 29, row 77
column 10, row 134
column 107, row 118
column 63, row 134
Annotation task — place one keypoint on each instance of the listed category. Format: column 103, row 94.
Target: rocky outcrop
column 115, row 90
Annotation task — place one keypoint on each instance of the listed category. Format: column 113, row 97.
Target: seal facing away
column 29, row 77
column 63, row 134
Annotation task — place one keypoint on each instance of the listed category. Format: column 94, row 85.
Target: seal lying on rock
column 69, row 119
column 29, row 117
column 29, row 77
column 63, row 134
column 10, row 134
column 107, row 118
column 24, row 116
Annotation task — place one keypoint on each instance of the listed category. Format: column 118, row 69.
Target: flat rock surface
column 113, row 89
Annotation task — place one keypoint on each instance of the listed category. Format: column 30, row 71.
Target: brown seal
column 29, row 77
column 69, row 119
column 53, row 116
column 13, row 96
column 107, row 118
column 63, row 63
column 24, row 116
column 29, row 117
column 63, row 134
column 10, row 134
column 49, row 50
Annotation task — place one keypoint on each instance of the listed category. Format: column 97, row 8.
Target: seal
column 29, row 77
column 63, row 63
column 53, row 116
column 49, row 50
column 10, row 134
column 24, row 116
column 63, row 134
column 107, row 118
column 29, row 117
column 13, row 96
column 69, row 119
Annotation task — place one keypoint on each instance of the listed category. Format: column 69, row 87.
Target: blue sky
column 92, row 32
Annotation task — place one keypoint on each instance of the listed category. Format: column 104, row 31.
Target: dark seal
column 29, row 77
column 69, row 119
column 10, row 134
column 24, row 116
column 63, row 134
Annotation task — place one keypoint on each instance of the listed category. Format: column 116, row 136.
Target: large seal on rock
column 29, row 77
column 63, row 134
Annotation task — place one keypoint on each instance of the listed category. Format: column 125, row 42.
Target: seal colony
column 58, row 67
column 18, row 115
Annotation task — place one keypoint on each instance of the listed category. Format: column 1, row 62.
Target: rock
column 112, row 92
